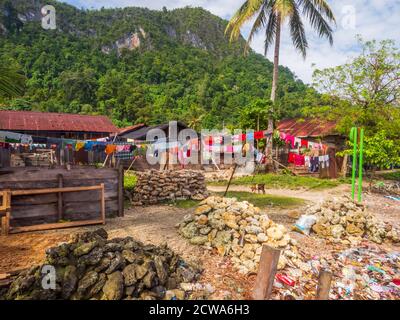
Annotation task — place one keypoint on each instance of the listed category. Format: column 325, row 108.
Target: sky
column 372, row 19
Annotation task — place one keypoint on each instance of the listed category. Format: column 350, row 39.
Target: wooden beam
column 5, row 220
column 103, row 205
column 60, row 197
column 324, row 285
column 120, row 191
column 266, row 273
column 53, row 190
column 51, row 226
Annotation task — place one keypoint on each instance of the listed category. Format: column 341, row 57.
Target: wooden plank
column 60, row 197
column 266, row 273
column 110, row 184
column 103, row 205
column 89, row 196
column 49, row 198
column 51, row 226
column 52, row 190
column 71, row 208
column 34, row 211
column 324, row 285
column 120, row 191
column 43, row 174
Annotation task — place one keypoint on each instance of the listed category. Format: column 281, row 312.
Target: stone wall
column 157, row 186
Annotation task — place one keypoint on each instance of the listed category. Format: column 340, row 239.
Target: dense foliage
column 365, row 93
column 185, row 68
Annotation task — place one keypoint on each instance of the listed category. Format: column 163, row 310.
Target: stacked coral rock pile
column 342, row 220
column 156, row 186
column 92, row 267
column 238, row 229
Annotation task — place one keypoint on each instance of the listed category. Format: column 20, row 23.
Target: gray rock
column 198, row 240
column 140, row 271
column 85, row 248
column 129, row 275
column 88, row 280
column 69, row 282
column 114, row 287
column 117, row 263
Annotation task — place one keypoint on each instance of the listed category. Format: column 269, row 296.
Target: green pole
column 360, row 166
column 353, row 138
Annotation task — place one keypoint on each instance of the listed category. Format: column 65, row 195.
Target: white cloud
column 374, row 19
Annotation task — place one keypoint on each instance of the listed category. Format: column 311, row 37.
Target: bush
column 130, row 182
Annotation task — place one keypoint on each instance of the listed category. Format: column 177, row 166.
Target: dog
column 258, row 188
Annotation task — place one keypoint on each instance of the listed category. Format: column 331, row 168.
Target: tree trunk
column 275, row 78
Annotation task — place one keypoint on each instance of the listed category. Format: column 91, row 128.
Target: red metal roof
column 46, row 121
column 131, row 128
column 309, row 127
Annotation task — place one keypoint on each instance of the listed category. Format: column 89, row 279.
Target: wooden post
column 266, row 273
column 230, row 179
column 5, row 221
column 133, row 161
column 103, row 204
column 60, row 197
column 324, row 285
column 233, row 172
column 120, row 191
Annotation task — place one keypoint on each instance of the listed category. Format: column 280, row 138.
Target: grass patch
column 285, row 181
column 265, row 200
column 183, row 204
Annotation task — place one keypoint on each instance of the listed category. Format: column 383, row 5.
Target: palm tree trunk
column 275, row 78
column 276, row 58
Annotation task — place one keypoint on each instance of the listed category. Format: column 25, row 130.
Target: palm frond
column 324, row 8
column 270, row 31
column 284, row 7
column 260, row 21
column 11, row 82
column 297, row 31
column 244, row 14
column 316, row 19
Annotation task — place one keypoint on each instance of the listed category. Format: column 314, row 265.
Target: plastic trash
column 396, row 282
column 304, row 224
column 285, row 279
column 373, row 268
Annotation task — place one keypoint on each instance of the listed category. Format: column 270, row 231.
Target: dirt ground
column 156, row 225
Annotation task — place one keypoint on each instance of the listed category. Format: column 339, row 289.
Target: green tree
column 271, row 15
column 255, row 114
column 79, row 86
column 365, row 92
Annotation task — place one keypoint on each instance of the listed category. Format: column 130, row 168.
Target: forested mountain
column 138, row 65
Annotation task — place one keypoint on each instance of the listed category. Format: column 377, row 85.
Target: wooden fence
column 35, row 209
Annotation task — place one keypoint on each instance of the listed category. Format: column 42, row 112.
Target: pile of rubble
column 391, row 188
column 343, row 220
column 362, row 273
column 238, row 229
column 156, row 186
column 92, row 267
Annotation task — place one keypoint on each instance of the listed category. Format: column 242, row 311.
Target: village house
column 56, row 125
column 318, row 131
column 41, row 125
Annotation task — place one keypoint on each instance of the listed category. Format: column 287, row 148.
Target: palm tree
column 11, row 82
column 271, row 15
